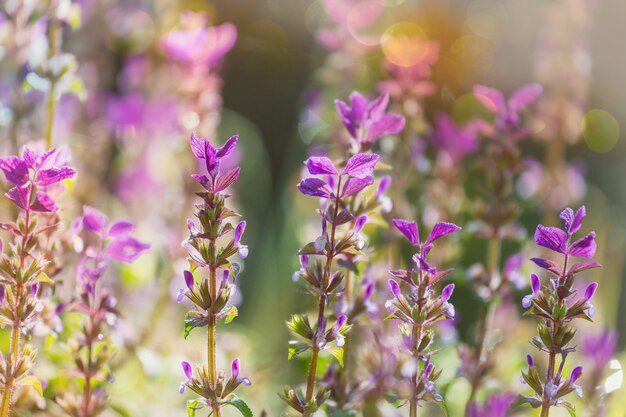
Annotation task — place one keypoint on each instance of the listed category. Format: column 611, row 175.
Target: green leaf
column 296, row 348
column 337, row 352
column 192, row 406
column 240, row 405
column 523, row 399
column 120, row 410
column 193, row 319
column 232, row 313
column 32, row 381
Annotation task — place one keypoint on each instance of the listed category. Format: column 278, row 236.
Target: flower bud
column 234, row 368
column 383, row 185
column 187, row 369
column 530, row 361
column 535, row 283
column 359, row 223
column 239, row 230
column 395, row 288
column 189, row 281
column 590, row 291
column 447, row 292
column 576, row 374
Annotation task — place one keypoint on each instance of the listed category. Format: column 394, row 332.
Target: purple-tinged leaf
column 552, row 238
column 227, row 148
column 320, row 165
column 361, row 165
column 43, row 203
column 584, row 247
column 120, row 228
column 583, row 266
column 53, row 175
column 19, row 196
column 226, row 180
column 440, row 230
column 202, row 179
column 408, row 229
column 400, row 273
column 390, row 124
column 197, row 146
column 15, row 170
column 355, row 185
column 315, row 187
column 547, row 264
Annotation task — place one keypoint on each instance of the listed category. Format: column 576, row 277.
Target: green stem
column 211, row 339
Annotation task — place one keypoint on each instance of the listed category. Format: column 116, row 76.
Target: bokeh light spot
column 600, row 130
column 405, row 44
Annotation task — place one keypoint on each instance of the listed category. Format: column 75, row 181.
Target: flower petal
column 524, row 97
column 94, row 220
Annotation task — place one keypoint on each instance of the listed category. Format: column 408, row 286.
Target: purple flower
column 340, row 338
column 235, row 368
column 530, row 361
column 359, row 169
column 367, row 121
column 535, row 285
column 187, row 370
column 507, row 113
column 195, row 44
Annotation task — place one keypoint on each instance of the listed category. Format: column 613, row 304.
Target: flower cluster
column 35, row 177
column 419, row 308
column 555, row 306
column 210, row 252
column 102, row 242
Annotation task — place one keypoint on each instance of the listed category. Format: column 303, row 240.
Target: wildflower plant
column 210, row 278
column 418, row 308
column 555, row 306
column 91, row 349
column 36, row 177
column 323, row 279
column 497, row 213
